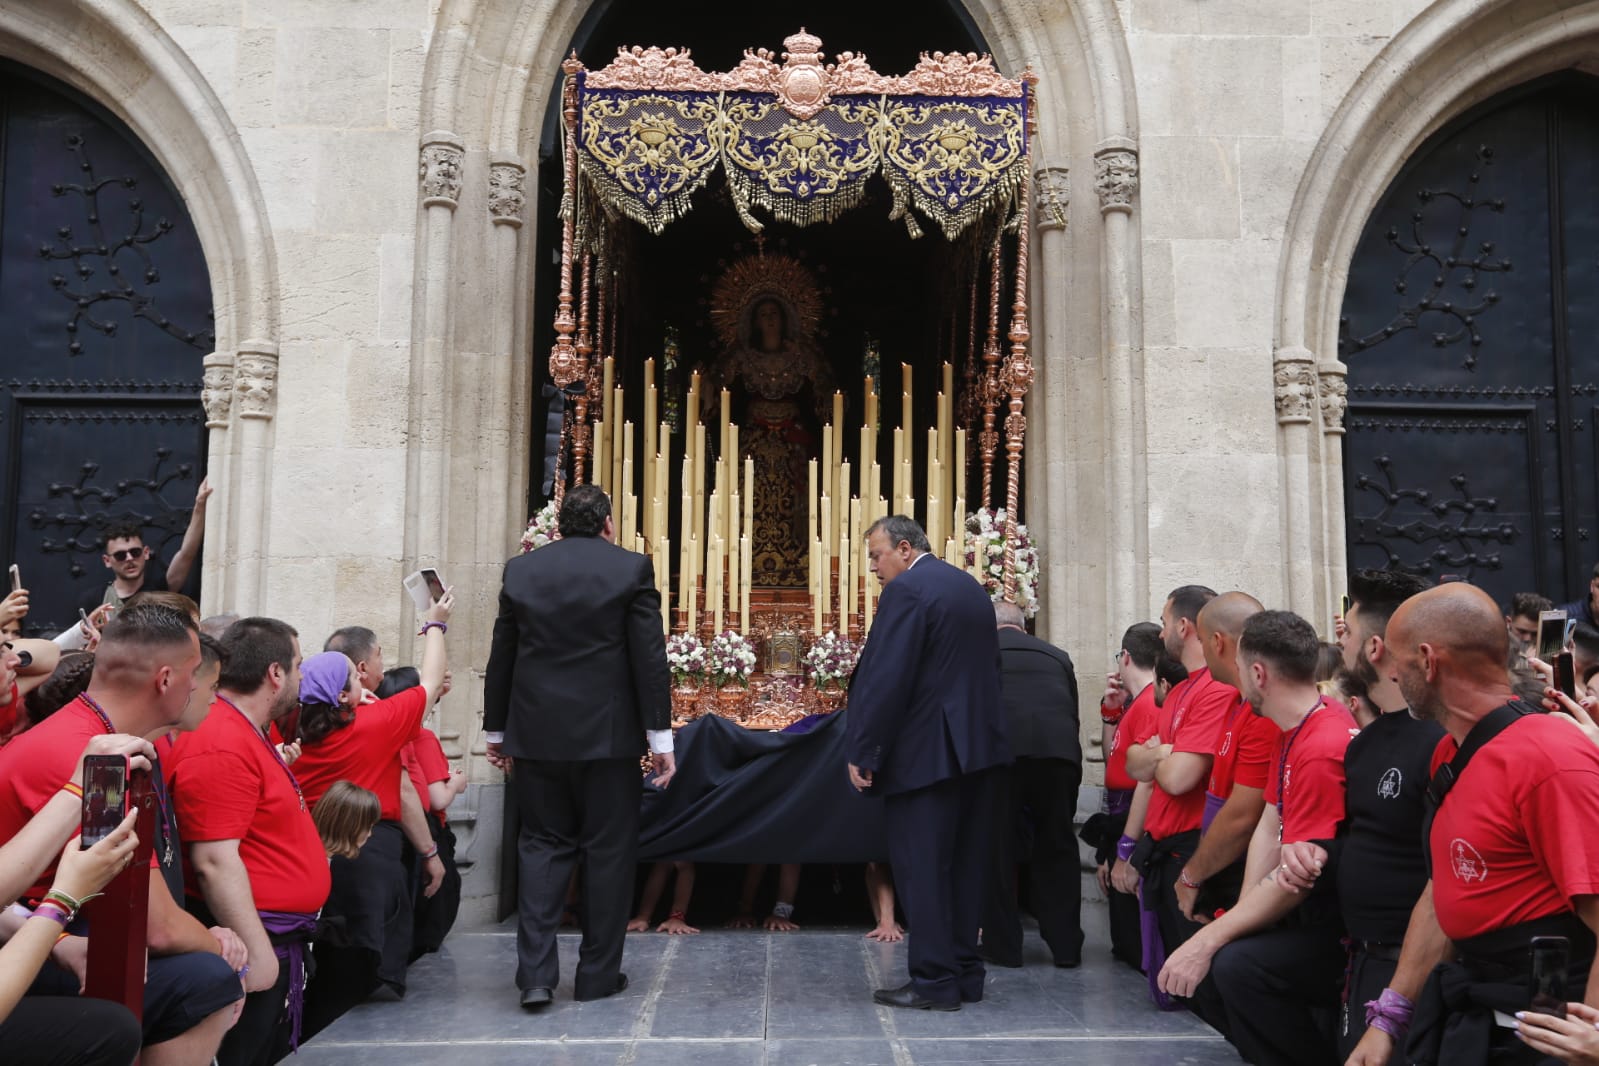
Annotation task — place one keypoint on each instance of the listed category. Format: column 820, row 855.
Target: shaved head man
column 1510, row 859
column 1220, row 621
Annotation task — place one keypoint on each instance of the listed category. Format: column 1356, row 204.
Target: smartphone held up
column 105, row 796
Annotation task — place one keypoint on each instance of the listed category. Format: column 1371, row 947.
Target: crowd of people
column 300, row 857
column 1293, row 848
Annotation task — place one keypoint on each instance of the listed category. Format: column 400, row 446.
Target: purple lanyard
column 1282, row 763
column 270, row 747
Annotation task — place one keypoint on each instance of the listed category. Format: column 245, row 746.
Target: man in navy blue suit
column 926, row 725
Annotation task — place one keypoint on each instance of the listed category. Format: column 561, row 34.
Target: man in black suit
column 576, row 678
column 925, row 728
column 1039, row 792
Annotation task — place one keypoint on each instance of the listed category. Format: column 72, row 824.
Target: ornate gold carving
column 216, row 390
column 654, row 68
column 1295, row 387
column 506, row 196
column 803, row 86
column 956, row 74
column 1116, row 178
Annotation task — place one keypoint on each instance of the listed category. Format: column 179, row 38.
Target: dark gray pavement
column 728, row 998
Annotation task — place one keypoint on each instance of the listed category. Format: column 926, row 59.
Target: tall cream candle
column 713, row 591
column 825, row 485
column 618, row 445
column 727, row 420
column 810, row 499
column 749, row 502
column 693, row 585
column 699, row 481
column 845, row 491
column 826, row 524
column 819, row 597
column 898, row 470
column 744, row 586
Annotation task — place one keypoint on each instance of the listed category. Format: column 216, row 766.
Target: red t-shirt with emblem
column 1244, row 752
column 1136, row 726
column 227, row 784
column 367, row 751
column 1509, row 844
column 1306, row 776
column 1191, row 720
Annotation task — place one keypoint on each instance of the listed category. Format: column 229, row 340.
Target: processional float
column 796, row 140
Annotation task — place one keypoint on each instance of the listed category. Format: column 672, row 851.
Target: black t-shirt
column 1382, row 862
column 155, row 580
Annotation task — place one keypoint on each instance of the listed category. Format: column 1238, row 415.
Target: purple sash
column 295, row 931
column 1117, row 801
column 1154, row 954
column 1213, row 804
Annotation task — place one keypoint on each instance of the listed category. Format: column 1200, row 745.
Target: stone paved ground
column 758, row 999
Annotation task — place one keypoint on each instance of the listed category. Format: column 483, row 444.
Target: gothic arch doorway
column 1473, row 351
column 105, row 302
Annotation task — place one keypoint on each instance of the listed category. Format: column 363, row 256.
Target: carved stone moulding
column 1333, row 388
column 1116, row 175
column 216, row 390
column 255, row 379
column 1052, row 194
column 440, row 169
column 507, row 195
column 1294, row 385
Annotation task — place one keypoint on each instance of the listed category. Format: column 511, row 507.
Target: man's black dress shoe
column 905, row 996
column 535, row 997
column 621, row 983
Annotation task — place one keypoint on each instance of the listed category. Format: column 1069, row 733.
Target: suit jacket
column 1040, row 698
column 578, row 669
column 924, row 705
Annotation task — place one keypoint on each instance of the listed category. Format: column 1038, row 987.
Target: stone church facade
column 359, row 174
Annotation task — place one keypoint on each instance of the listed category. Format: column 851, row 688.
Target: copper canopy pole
column 564, row 366
column 988, row 439
column 1018, row 376
column 581, row 430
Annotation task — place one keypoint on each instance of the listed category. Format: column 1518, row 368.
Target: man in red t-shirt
column 255, row 858
column 143, row 677
column 1126, row 800
column 1178, row 761
column 1510, row 856
column 1257, row 956
column 1234, row 797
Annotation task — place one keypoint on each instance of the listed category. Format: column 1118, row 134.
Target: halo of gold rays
column 775, row 275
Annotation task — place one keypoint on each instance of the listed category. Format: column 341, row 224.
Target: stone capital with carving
column 216, row 390
column 1294, row 384
column 255, row 383
column 1116, row 177
column 1052, row 194
column 440, row 170
column 506, row 195
column 1333, row 388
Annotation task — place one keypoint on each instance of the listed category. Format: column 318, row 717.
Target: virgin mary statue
column 766, row 309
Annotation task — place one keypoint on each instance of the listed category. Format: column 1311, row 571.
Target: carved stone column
column 432, row 398
column 216, row 397
column 1294, row 391
column 1333, row 389
column 507, row 200
column 1048, row 446
column 1116, row 185
column 255, row 388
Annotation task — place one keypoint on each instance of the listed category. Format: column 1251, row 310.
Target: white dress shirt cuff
column 493, row 738
column 71, row 639
column 660, row 741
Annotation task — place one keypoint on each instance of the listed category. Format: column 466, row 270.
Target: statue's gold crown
column 802, row 44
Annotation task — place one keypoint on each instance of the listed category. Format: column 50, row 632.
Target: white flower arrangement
column 540, row 528
column 731, row 660
column 985, row 556
column 685, row 658
column 831, row 660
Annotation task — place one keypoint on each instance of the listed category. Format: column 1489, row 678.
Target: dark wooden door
column 105, row 315
column 1471, row 330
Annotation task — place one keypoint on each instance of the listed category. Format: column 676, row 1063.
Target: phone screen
column 1343, row 611
column 435, row 586
column 16, row 578
column 1550, row 957
column 105, row 796
column 1551, row 634
column 1566, row 673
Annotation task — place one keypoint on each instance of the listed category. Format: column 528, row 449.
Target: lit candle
column 826, row 483
column 907, row 505
column 620, row 444
column 699, row 480
column 693, row 585
column 810, row 499
column 871, row 406
column 960, row 465
column 841, row 516
column 604, row 441
column 744, row 588
column 749, row 502
column 727, row 419
column 899, row 466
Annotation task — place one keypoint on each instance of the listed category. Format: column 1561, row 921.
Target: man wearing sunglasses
column 129, row 559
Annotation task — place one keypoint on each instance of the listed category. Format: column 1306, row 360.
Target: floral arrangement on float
column 830, row 661
column 540, row 528
column 731, row 660
column 685, row 658
column 985, row 558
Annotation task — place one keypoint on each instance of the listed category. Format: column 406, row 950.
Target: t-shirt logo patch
column 1388, row 788
column 1467, row 863
column 1226, row 742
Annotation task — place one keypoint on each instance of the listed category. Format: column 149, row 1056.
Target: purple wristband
column 1391, row 1013
column 1124, row 848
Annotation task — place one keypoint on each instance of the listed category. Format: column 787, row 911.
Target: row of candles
column 717, row 516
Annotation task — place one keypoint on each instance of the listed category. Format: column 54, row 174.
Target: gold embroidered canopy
column 798, row 140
